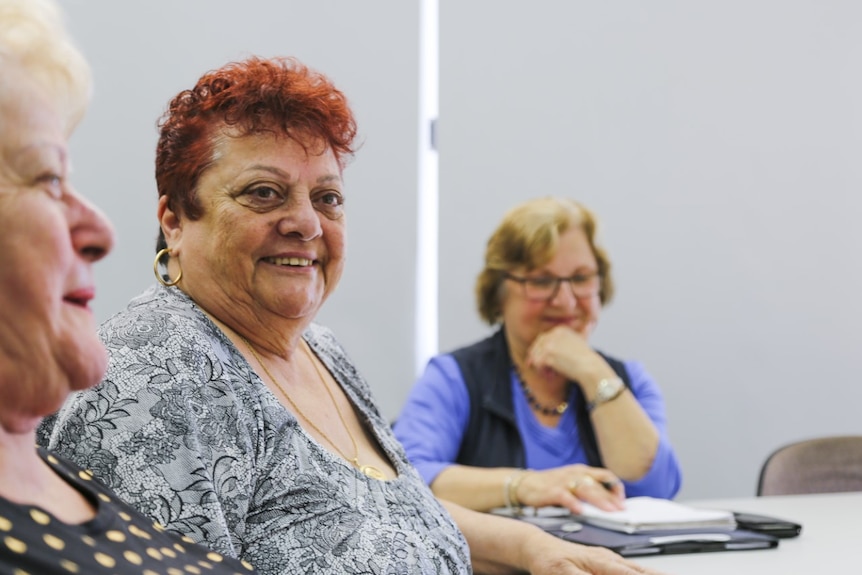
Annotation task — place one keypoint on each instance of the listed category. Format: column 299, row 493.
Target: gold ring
column 580, row 482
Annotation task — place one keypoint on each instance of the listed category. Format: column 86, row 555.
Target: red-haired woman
column 226, row 413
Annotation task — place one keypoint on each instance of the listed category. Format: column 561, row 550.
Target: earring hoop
column 162, row 280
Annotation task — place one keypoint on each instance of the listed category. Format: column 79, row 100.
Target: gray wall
column 721, row 145
column 718, row 142
column 143, row 53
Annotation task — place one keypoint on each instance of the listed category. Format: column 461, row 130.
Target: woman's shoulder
column 490, row 343
column 634, row 368
column 81, row 479
column 149, row 309
column 162, row 321
column 161, row 341
column 117, row 530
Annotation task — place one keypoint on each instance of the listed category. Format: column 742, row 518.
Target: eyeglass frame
column 558, row 282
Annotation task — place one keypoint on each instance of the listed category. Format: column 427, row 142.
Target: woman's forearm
column 627, row 438
column 494, row 541
column 478, row 488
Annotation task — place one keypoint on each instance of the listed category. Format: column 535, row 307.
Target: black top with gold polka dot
column 119, row 540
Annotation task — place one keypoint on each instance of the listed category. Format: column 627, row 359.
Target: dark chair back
column 822, row 465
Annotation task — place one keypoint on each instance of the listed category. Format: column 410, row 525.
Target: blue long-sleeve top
column 434, row 419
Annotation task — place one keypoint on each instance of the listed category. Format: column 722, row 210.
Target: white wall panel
column 721, row 145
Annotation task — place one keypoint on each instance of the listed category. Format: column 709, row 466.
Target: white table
column 831, row 539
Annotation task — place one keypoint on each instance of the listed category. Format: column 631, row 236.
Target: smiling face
column 525, row 319
column 49, row 237
column 269, row 246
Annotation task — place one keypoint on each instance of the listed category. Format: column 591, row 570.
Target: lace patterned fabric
column 182, row 428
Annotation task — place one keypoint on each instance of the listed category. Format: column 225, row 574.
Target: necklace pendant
column 561, row 409
column 372, row 472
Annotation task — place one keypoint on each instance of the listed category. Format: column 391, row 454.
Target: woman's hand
column 568, row 486
column 501, row 545
column 627, row 438
column 549, row 555
column 564, row 351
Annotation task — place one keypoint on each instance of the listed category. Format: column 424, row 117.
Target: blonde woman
column 55, row 518
column 534, row 415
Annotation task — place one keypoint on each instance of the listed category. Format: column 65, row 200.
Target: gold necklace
column 368, row 470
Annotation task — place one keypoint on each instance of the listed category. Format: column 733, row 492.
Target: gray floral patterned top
column 183, row 429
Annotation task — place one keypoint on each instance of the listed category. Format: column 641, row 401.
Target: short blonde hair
column 33, row 38
column 527, row 238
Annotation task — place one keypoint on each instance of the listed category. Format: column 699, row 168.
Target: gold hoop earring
column 162, row 280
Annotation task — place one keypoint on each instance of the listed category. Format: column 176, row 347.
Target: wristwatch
column 608, row 389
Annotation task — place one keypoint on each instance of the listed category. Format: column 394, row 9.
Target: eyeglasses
column 545, row 288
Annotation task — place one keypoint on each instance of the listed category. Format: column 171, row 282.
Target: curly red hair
column 257, row 95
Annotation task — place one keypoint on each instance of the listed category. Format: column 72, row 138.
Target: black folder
column 669, row 542
column 664, row 542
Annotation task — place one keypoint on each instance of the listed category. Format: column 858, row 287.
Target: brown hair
column 527, row 238
column 278, row 95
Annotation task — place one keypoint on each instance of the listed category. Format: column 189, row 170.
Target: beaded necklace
column 556, row 410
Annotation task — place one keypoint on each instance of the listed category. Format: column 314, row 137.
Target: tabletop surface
column 831, row 539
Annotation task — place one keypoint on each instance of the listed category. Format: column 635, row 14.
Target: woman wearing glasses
column 533, row 415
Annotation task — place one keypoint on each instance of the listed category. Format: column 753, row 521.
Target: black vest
column 491, row 438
